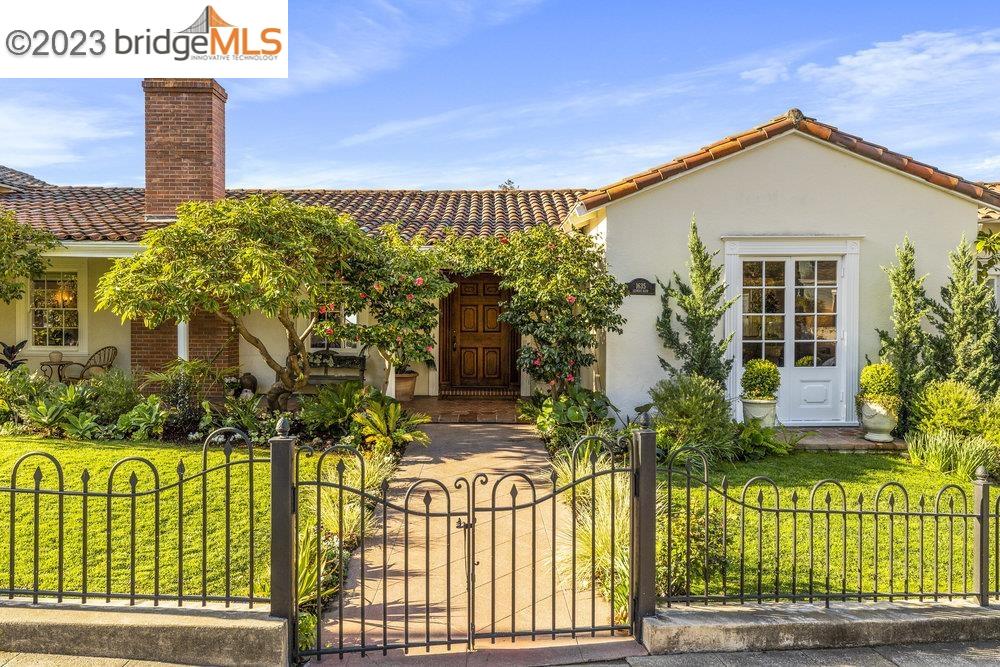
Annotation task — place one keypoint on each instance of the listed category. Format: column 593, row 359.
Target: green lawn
column 780, row 550
column 98, row 458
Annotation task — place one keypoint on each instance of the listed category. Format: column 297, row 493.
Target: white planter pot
column 766, row 412
column 877, row 421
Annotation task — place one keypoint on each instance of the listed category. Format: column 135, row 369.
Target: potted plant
column 879, row 401
column 761, row 380
column 406, row 382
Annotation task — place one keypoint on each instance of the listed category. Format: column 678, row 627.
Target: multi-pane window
column 815, row 313
column 54, row 312
column 334, row 315
column 764, row 311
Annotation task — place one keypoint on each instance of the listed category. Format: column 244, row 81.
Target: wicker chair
column 103, row 359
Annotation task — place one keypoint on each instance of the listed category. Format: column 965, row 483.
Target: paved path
column 47, row 660
column 433, row 600
column 910, row 655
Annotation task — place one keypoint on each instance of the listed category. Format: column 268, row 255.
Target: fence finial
column 284, row 427
column 981, row 474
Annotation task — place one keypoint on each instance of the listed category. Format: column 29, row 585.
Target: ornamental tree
column 562, row 297
column 905, row 347
column 22, row 250
column 701, row 302
column 399, row 289
column 965, row 346
column 237, row 258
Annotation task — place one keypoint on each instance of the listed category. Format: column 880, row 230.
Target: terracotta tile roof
column 430, row 212
column 116, row 214
column 987, row 214
column 18, row 179
column 792, row 120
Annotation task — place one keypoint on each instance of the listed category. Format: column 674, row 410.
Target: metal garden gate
column 489, row 558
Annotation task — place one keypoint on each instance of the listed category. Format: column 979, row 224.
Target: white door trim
column 848, row 249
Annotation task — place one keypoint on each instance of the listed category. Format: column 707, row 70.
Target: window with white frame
column 336, row 315
column 53, row 310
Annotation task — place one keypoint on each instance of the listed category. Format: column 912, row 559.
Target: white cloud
column 359, row 39
column 41, row 130
column 766, row 74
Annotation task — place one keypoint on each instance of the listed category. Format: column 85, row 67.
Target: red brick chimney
column 185, row 143
column 185, row 161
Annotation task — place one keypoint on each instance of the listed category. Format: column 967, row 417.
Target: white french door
column 789, row 313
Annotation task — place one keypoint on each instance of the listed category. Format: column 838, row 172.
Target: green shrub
column 182, row 388
column 144, row 421
column 948, row 405
column 672, row 574
column 112, row 394
column 306, row 626
column 755, row 441
column 989, row 420
column 576, row 412
column 329, row 413
column 692, row 410
column 761, row 380
column 880, row 386
column 20, row 388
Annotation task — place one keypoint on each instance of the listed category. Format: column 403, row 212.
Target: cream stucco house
column 803, row 215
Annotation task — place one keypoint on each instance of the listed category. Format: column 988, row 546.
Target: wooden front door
column 480, row 348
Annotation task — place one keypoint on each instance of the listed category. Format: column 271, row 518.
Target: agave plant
column 47, row 415
column 82, row 426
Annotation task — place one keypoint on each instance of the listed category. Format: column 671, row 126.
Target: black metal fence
column 464, row 562
column 758, row 542
column 134, row 535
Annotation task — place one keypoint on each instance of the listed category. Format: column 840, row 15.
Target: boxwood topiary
column 761, row 380
column 880, row 386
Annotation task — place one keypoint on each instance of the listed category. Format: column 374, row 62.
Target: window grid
column 337, row 316
column 764, row 311
column 815, row 324
column 55, row 315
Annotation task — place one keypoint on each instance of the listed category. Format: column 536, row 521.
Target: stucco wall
column 102, row 328
column 789, row 186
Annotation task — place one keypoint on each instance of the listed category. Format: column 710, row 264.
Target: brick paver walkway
column 466, row 410
column 421, row 600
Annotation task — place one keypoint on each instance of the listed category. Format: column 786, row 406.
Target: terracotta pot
column 405, row 384
column 877, row 421
column 766, row 412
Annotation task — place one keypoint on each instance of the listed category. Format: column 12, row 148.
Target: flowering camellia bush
column 399, row 287
column 563, row 299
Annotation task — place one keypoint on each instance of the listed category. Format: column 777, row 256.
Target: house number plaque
column 641, row 287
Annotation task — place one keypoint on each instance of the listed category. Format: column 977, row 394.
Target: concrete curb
column 769, row 627
column 186, row 636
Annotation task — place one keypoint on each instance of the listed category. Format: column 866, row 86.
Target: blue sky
column 466, row 93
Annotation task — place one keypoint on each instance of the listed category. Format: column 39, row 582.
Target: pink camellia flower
column 362, row 295
column 378, row 287
column 419, row 281
column 328, row 331
column 409, row 297
column 322, row 310
column 569, row 377
column 570, row 299
column 430, row 348
column 537, row 361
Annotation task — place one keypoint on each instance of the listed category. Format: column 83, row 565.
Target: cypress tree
column 965, row 345
column 701, row 303
column 905, row 348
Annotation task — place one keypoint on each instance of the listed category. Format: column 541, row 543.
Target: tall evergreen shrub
column 965, row 347
column 690, row 332
column 905, row 347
